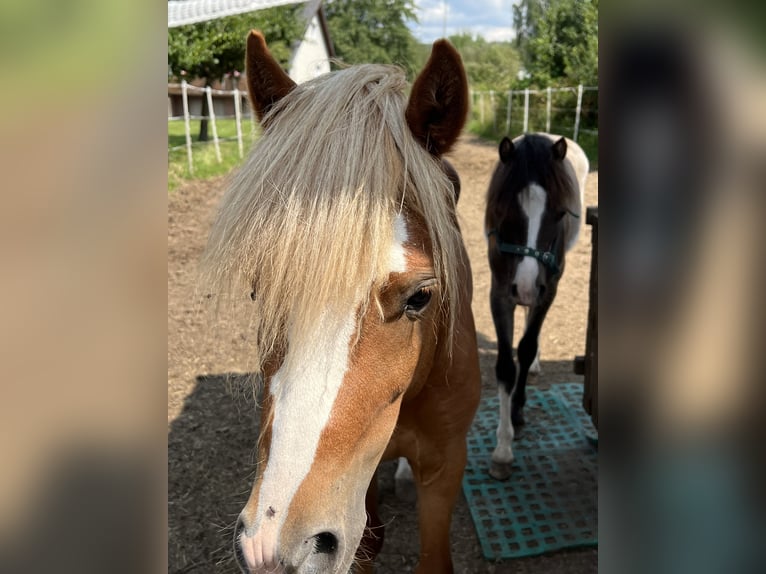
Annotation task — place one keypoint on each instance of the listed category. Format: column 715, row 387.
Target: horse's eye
column 418, row 301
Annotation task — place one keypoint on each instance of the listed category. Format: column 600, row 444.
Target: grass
column 204, row 159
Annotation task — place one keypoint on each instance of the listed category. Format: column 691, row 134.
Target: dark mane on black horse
column 529, row 160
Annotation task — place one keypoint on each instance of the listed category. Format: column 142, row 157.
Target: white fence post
column 481, row 107
column 508, row 115
column 526, row 109
column 238, row 120
column 211, row 111
column 492, row 109
column 187, row 127
column 548, row 111
column 577, row 112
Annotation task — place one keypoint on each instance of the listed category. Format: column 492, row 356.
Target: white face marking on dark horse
column 532, row 201
column 304, row 390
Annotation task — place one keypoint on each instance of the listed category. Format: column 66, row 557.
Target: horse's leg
column 527, row 352
column 534, row 368
column 505, row 371
column 372, row 539
column 438, row 489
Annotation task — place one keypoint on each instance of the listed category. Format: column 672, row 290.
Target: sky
column 491, row 19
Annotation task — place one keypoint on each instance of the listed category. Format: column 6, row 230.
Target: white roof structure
column 181, row 12
column 311, row 54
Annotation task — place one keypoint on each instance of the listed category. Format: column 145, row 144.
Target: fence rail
column 488, row 108
column 491, row 106
column 187, row 117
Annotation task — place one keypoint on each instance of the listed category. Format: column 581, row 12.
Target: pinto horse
column 342, row 227
column 533, row 212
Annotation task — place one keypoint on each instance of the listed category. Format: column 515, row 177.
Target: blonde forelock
column 307, row 222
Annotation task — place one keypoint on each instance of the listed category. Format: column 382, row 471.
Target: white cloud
column 491, row 19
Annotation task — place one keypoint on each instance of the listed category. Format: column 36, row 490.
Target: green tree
column 212, row 49
column 373, row 31
column 488, row 65
column 558, row 41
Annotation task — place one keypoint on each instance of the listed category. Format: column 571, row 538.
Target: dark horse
column 533, row 218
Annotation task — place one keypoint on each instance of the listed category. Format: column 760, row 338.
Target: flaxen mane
column 307, row 222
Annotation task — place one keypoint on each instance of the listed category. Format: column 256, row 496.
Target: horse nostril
column 514, row 290
column 238, row 554
column 325, row 543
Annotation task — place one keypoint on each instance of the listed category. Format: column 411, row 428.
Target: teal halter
column 547, row 258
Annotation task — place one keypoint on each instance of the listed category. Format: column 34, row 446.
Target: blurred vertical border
column 82, row 286
column 83, row 290
column 682, row 206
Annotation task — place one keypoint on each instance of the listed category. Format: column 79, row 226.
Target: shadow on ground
column 211, row 450
column 211, row 463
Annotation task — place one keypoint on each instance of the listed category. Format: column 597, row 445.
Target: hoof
column 500, row 470
column 534, row 368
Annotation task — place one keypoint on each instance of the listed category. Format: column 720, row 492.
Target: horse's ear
column 267, row 82
column 506, row 150
column 560, row 149
column 438, row 102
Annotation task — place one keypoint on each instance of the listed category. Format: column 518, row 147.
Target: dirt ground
column 212, row 425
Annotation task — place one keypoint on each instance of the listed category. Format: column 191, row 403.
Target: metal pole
column 577, row 112
column 548, row 112
column 238, row 120
column 508, row 115
column 211, row 111
column 526, row 109
column 187, row 127
column 492, row 107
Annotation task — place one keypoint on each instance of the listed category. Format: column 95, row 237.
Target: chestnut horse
column 534, row 204
column 342, row 224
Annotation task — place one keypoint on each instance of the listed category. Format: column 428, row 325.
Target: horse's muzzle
column 259, row 553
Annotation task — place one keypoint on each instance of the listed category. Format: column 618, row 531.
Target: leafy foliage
column 488, row 65
column 558, row 41
column 373, row 31
column 212, row 49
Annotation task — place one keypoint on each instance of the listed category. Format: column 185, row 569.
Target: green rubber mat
column 550, row 500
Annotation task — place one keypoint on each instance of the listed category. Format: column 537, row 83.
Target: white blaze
column 532, row 201
column 303, row 391
column 398, row 262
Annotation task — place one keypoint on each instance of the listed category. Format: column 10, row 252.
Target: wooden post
column 588, row 365
column 211, row 111
column 187, row 126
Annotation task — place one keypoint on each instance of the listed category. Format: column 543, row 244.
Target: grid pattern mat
column 549, row 502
